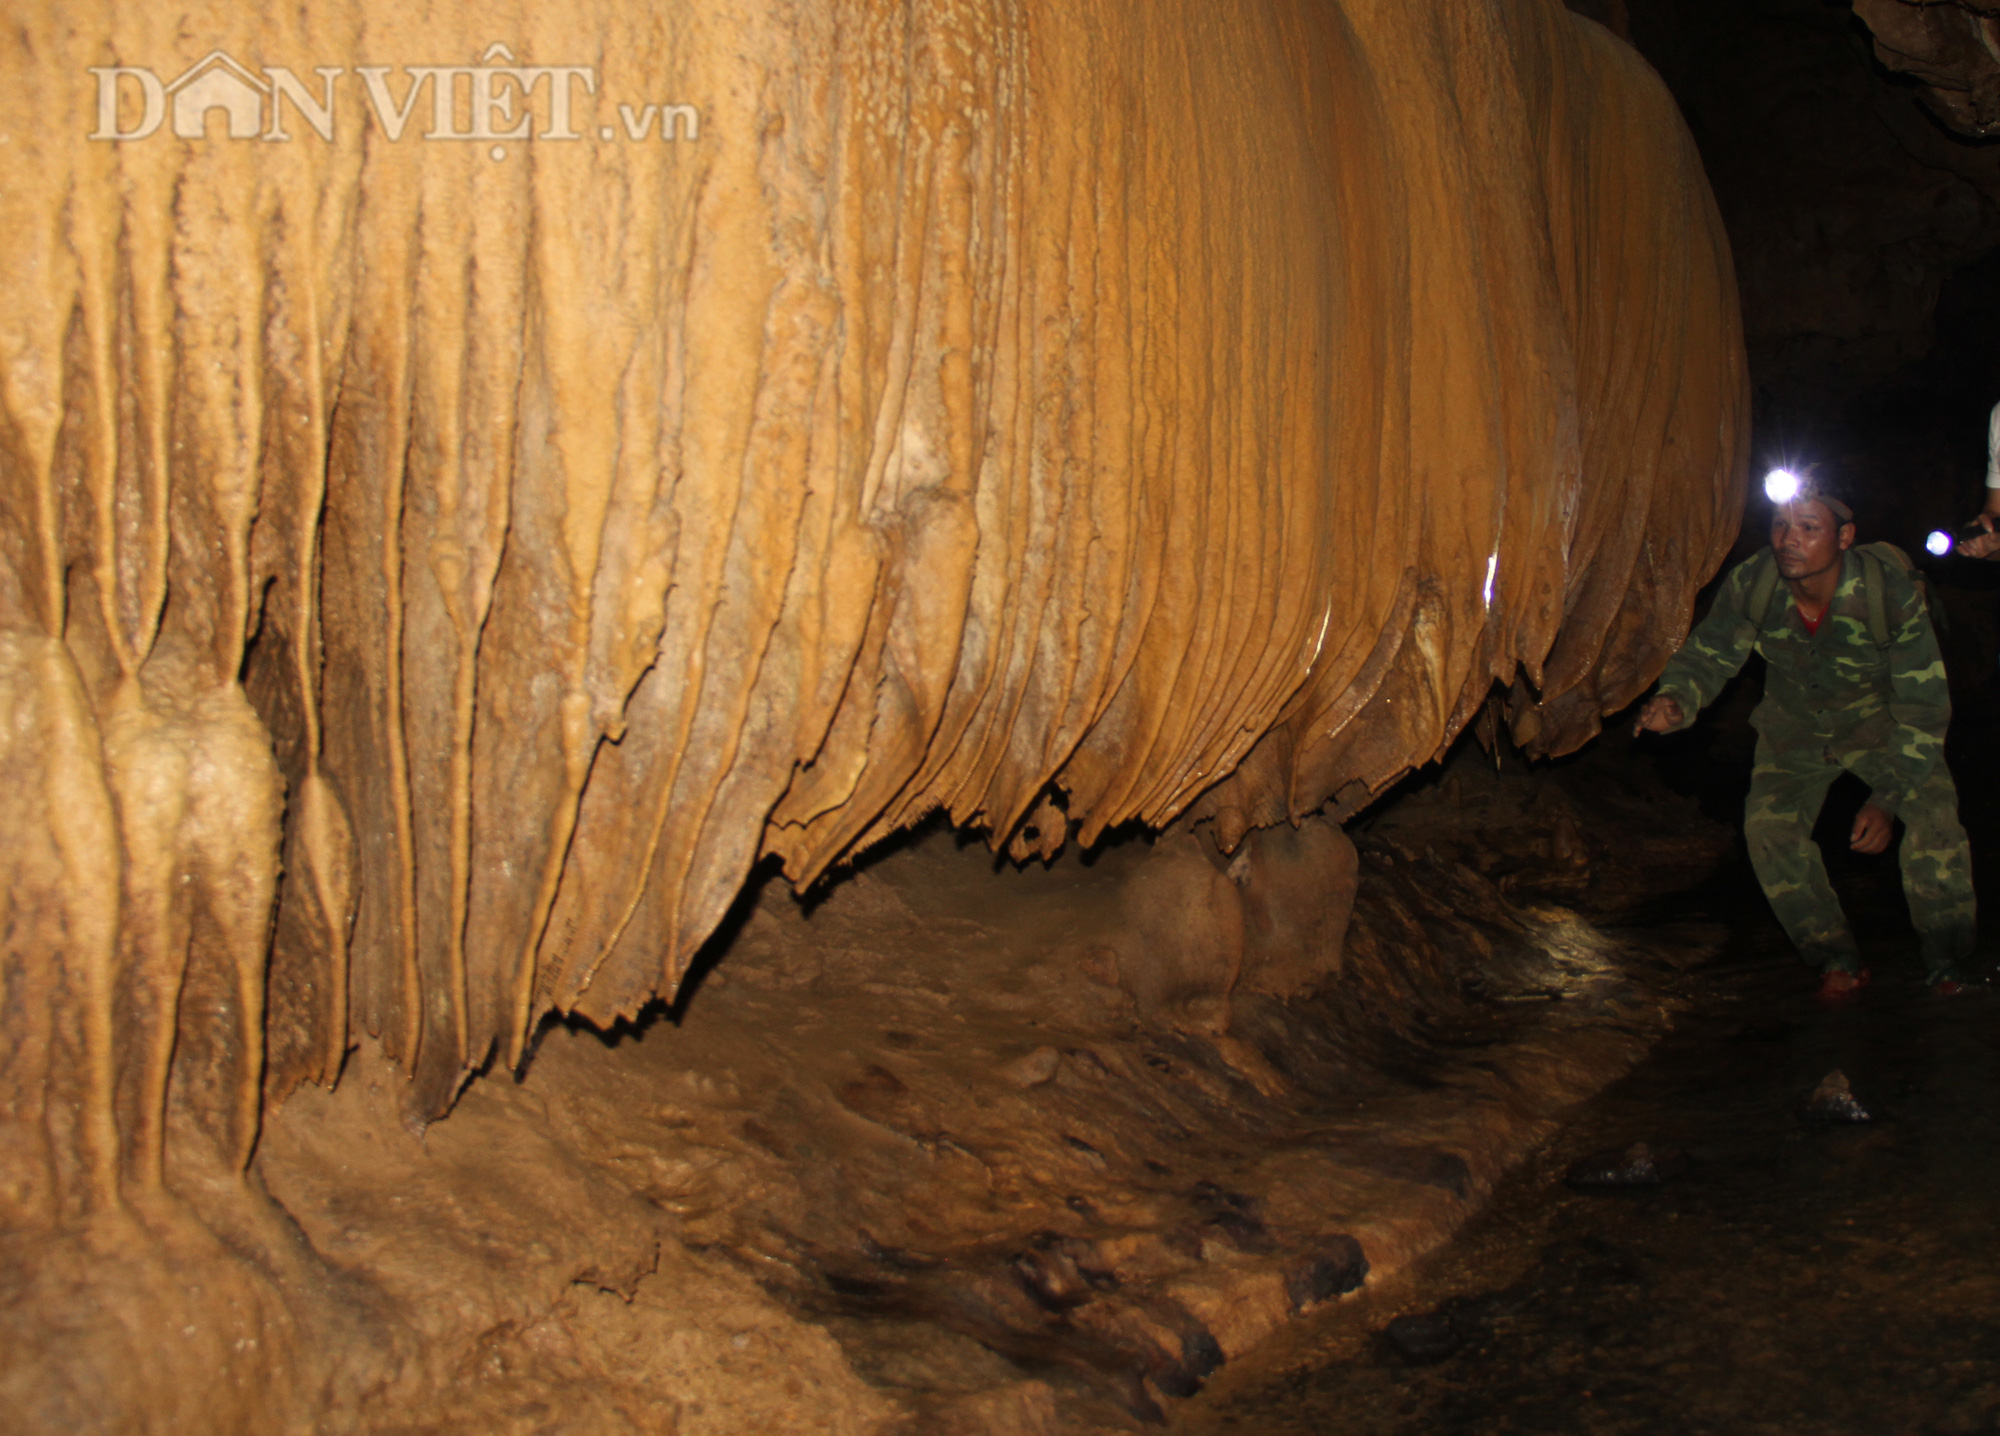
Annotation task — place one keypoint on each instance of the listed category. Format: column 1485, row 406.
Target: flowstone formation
column 478, row 482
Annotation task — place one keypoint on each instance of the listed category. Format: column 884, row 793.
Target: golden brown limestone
column 434, row 570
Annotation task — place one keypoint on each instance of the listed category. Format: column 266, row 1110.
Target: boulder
column 1298, row 894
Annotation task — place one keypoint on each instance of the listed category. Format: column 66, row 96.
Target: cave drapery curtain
column 429, row 581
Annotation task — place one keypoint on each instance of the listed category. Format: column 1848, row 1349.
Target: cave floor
column 1796, row 1278
column 913, row 1160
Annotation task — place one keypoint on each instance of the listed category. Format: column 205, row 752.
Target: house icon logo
column 217, row 82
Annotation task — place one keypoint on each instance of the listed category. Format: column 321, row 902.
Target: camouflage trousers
column 1787, row 791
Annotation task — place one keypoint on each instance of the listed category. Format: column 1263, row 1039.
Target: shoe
column 1838, row 986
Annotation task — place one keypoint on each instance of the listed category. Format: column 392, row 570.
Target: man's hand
column 1987, row 544
column 1872, row 830
column 1662, row 715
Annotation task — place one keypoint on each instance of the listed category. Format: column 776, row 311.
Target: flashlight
column 1943, row 541
column 1781, row 486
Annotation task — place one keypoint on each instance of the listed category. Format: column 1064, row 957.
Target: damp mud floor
column 1796, row 1277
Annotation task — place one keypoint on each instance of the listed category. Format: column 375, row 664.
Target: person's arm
column 1714, row 652
column 1920, row 704
column 1992, row 509
column 1987, row 544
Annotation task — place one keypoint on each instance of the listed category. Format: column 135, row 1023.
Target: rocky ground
column 1793, row 1274
column 953, row 1146
column 923, row 1154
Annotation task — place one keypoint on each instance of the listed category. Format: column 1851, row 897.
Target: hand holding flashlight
column 1977, row 539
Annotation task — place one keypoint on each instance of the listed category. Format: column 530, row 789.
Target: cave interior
column 1008, row 1088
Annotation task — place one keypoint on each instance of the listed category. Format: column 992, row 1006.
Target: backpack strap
column 1757, row 605
column 1875, row 561
column 1876, row 584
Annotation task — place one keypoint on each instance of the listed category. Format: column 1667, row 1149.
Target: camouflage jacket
column 1880, row 712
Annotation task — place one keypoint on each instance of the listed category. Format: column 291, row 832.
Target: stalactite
column 448, row 568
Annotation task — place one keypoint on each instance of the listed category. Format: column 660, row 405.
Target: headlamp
column 1786, row 486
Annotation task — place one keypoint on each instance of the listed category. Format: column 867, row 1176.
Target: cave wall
column 1847, row 205
column 1952, row 46
column 1859, row 220
column 432, row 574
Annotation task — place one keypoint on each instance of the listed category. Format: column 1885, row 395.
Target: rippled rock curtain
column 433, row 571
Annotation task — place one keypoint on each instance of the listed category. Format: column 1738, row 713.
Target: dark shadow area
column 674, row 1011
column 1791, row 1274
column 769, row 870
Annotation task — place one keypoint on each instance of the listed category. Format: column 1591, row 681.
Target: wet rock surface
column 1834, row 1101
column 1824, row 1277
column 1635, row 1166
column 1422, row 1338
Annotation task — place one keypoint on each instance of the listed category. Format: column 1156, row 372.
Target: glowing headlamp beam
column 1781, row 486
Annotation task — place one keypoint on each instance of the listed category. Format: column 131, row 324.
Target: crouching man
column 1854, row 682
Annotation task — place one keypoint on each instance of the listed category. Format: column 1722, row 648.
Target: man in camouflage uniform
column 1855, row 682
